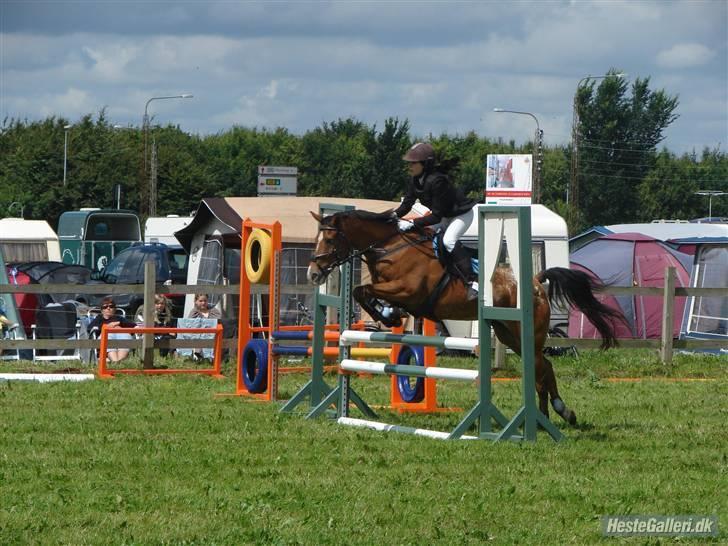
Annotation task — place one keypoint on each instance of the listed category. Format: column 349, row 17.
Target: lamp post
column 65, row 151
column 572, row 196
column 145, row 128
column 538, row 153
column 711, row 194
column 19, row 204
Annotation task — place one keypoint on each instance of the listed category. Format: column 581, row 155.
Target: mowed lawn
column 163, row 460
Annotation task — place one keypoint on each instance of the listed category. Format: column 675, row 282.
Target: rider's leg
column 451, row 241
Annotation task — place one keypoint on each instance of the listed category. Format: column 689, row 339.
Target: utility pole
column 538, row 164
column 153, row 181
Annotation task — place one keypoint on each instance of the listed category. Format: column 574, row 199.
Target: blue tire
column 255, row 365
column 407, row 391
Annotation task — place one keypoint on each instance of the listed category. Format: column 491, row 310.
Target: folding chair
column 56, row 321
column 10, row 333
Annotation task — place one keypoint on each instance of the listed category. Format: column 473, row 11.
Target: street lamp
column 572, row 197
column 65, row 151
column 538, row 159
column 19, row 204
column 711, row 194
column 145, row 128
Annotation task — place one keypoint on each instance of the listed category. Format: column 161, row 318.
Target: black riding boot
column 461, row 260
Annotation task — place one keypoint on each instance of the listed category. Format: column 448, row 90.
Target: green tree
column 617, row 137
column 388, row 177
column 336, row 159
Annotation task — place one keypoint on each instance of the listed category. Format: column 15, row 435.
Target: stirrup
column 472, row 291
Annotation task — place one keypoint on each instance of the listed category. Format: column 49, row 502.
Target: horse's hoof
column 570, row 417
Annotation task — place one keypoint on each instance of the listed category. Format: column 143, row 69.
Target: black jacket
column 99, row 320
column 438, row 194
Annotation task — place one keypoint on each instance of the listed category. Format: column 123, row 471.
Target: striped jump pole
column 330, row 352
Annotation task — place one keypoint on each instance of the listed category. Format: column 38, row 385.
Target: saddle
column 445, row 258
column 450, row 272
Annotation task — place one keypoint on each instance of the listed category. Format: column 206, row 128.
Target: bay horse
column 406, row 273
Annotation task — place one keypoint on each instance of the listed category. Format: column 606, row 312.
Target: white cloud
column 297, row 64
column 111, row 62
column 685, row 55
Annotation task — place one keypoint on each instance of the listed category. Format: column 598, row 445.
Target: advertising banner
column 508, row 179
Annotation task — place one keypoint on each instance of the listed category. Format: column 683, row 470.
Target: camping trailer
column 161, row 229
column 28, row 240
column 92, row 237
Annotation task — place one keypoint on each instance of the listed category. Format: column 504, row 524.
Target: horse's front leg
column 365, row 298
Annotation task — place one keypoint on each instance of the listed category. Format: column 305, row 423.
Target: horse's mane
column 384, row 217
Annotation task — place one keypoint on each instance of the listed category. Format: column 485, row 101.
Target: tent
column 631, row 259
column 706, row 317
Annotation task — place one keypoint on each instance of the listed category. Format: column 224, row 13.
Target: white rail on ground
column 46, row 377
column 384, row 427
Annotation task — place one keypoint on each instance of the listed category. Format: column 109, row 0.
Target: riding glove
column 405, row 225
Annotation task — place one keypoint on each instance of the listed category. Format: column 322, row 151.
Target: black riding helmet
column 421, row 152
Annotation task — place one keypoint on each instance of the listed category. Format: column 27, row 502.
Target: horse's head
column 342, row 234
column 332, row 248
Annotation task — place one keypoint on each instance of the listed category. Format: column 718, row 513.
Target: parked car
column 128, row 268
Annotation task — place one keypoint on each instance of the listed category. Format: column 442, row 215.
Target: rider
column 448, row 206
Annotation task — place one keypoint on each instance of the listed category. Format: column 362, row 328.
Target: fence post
column 668, row 311
column 150, row 279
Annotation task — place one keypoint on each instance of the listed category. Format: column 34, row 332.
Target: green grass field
column 162, row 460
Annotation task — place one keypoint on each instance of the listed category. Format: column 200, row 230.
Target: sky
column 444, row 66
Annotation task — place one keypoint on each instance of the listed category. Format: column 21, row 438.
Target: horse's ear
column 317, row 217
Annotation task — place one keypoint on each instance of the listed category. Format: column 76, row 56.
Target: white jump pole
column 433, row 372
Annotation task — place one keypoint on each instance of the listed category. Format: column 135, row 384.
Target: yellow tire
column 258, row 253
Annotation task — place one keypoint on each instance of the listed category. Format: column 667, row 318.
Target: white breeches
column 454, row 228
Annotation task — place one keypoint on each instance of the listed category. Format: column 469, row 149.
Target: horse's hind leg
column 510, row 336
column 557, row 403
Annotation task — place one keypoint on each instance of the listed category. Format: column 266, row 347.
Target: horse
column 406, row 273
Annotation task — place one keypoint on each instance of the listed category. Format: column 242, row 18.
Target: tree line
column 622, row 175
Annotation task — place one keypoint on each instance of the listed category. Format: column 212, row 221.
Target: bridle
column 343, row 253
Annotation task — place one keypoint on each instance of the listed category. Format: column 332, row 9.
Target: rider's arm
column 427, row 220
column 442, row 196
column 407, row 202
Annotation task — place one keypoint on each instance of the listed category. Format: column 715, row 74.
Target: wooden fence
column 665, row 345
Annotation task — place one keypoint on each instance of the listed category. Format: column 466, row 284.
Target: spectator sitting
column 163, row 319
column 5, row 323
column 201, row 310
column 111, row 320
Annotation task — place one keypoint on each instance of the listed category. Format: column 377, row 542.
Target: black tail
column 577, row 289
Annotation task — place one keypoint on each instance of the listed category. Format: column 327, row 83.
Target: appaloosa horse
column 406, row 273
